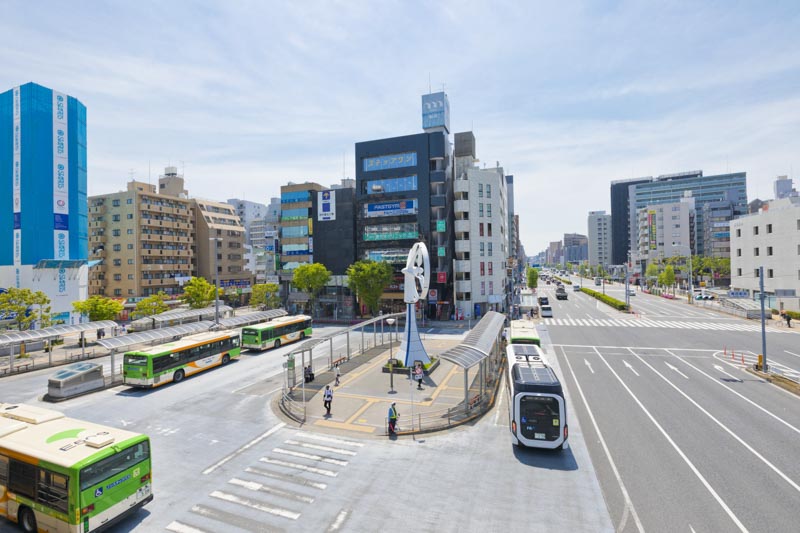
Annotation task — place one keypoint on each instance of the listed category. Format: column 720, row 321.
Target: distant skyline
column 244, row 97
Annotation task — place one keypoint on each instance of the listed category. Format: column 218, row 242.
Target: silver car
column 547, row 311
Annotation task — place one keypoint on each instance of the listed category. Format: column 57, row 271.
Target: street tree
column 533, row 277
column 20, row 303
column 311, row 279
column 652, row 273
column 266, row 295
column 669, row 277
column 152, row 305
column 98, row 308
column 198, row 293
column 368, row 279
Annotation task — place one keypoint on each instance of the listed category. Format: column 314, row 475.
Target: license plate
column 538, row 436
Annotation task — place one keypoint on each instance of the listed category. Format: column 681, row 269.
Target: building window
column 738, row 232
column 481, row 249
column 480, row 229
column 491, row 287
column 488, row 190
column 489, row 210
column 480, row 190
column 130, row 276
column 130, row 246
column 117, row 247
column 755, row 273
column 117, row 292
column 739, row 272
column 117, row 262
column 114, row 218
column 482, row 268
column 129, row 201
column 130, row 231
column 130, row 261
column 770, row 273
column 769, row 250
column 489, row 228
column 769, row 230
column 117, row 277
column 115, row 233
column 490, row 249
column 129, row 216
column 738, row 252
column 483, row 288
column 480, row 210
column 491, row 267
column 115, row 203
column 755, row 230
column 130, row 292
column 756, row 252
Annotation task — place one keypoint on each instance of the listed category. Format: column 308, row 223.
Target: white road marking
column 286, row 477
column 628, row 503
column 325, row 438
column 792, row 353
column 720, row 369
column 677, row 448
column 178, row 527
column 589, row 365
column 311, row 457
column 245, row 447
column 340, row 518
column 259, row 487
column 741, row 441
column 676, row 370
column 245, row 502
column 287, row 464
column 320, row 447
column 630, row 367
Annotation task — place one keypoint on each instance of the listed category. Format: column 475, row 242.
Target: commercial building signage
column 388, row 209
column 441, row 277
column 60, row 177
column 440, row 251
column 651, row 221
column 435, row 111
column 383, row 162
column 441, row 225
column 433, row 295
column 17, row 177
column 326, row 202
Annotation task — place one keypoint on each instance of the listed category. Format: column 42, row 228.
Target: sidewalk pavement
column 361, row 401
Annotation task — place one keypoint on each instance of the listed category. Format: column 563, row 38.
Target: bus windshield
column 136, row 360
column 111, row 466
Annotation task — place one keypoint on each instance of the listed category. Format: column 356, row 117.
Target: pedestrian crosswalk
column 272, row 494
column 646, row 323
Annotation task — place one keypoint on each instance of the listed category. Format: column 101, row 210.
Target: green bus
column 178, row 359
column 523, row 332
column 58, row 474
column 276, row 332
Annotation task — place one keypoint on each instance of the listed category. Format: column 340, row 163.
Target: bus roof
column 523, row 329
column 185, row 342
column 529, row 370
column 280, row 321
column 49, row 436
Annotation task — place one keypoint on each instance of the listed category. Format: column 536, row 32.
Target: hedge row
column 564, row 281
column 606, row 299
column 794, row 314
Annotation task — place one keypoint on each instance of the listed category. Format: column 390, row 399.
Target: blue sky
column 245, row 96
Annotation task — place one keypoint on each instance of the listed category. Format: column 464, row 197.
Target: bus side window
column 3, row 470
column 22, row 478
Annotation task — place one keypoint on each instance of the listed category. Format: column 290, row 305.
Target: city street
column 682, row 438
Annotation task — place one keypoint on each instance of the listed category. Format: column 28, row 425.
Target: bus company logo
column 61, row 175
column 72, row 434
column 60, row 142
column 60, row 107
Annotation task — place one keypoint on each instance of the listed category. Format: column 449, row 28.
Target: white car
column 546, row 311
column 631, row 292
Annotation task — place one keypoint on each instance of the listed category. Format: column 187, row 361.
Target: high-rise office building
column 784, row 187
column 666, row 230
column 620, row 218
column 576, row 248
column 599, row 239
column 42, row 176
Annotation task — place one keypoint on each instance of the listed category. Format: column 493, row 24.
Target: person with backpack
column 327, row 398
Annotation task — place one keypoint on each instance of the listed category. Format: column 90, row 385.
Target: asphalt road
column 681, row 437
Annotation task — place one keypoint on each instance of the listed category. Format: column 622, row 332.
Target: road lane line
column 743, row 397
column 741, row 441
column 628, row 503
column 246, row 502
column 677, row 448
column 244, row 448
column 179, row 527
column 792, row 353
column 340, row 518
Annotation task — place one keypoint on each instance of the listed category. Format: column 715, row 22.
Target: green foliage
column 266, row 295
column 98, row 308
column 198, row 293
column 669, row 276
column 152, row 305
column 583, row 270
column 652, row 272
column 563, row 280
column 20, row 301
column 311, row 279
column 368, row 279
column 613, row 302
column 533, row 277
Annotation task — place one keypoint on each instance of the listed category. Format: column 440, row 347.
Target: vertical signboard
column 17, row 180
column 60, row 178
column 326, row 202
column 436, row 111
column 651, row 222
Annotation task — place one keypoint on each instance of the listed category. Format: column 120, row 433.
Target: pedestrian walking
column 393, row 419
column 419, row 374
column 338, row 373
column 788, row 319
column 327, row 398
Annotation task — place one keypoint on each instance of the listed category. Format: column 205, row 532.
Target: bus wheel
column 177, row 377
column 277, row 343
column 27, row 520
column 225, row 359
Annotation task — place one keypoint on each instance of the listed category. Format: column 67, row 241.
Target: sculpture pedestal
column 411, row 348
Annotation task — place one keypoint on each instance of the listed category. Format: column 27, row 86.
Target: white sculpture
column 417, row 270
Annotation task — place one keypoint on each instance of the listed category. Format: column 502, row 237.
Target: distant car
column 547, row 311
column 543, row 300
column 576, row 288
column 561, row 293
column 631, row 292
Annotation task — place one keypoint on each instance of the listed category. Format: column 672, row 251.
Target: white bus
column 537, row 410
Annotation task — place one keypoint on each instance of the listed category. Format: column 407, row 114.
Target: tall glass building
column 42, row 176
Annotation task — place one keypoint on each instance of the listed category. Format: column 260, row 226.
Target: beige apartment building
column 144, row 240
column 219, row 232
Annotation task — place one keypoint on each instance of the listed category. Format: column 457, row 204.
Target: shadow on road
column 549, row 459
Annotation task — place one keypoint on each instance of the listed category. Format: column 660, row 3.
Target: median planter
column 398, row 368
column 606, row 299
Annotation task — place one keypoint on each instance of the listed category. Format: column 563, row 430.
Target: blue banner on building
column 383, row 162
column 390, row 209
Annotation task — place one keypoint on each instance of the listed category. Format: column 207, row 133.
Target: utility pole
column 762, row 296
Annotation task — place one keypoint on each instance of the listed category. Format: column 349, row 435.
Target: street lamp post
column 216, row 280
column 391, row 321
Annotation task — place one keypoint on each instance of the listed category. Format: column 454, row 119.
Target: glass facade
column 391, row 232
column 294, row 214
column 297, row 196
column 384, row 162
column 390, row 185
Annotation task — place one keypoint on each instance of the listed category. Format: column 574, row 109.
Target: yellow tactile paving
column 361, row 410
column 345, row 426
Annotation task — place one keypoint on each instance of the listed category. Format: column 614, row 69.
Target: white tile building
column 666, row 230
column 599, row 233
column 769, row 238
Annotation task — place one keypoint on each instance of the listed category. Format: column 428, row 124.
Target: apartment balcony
column 463, row 286
column 463, row 246
column 461, row 226
column 463, row 266
column 461, row 186
column 461, row 206
column 438, row 176
column 439, row 200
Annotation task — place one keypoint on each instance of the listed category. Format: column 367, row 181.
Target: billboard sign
column 391, row 209
column 326, row 206
column 435, row 111
column 651, row 222
column 384, row 162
